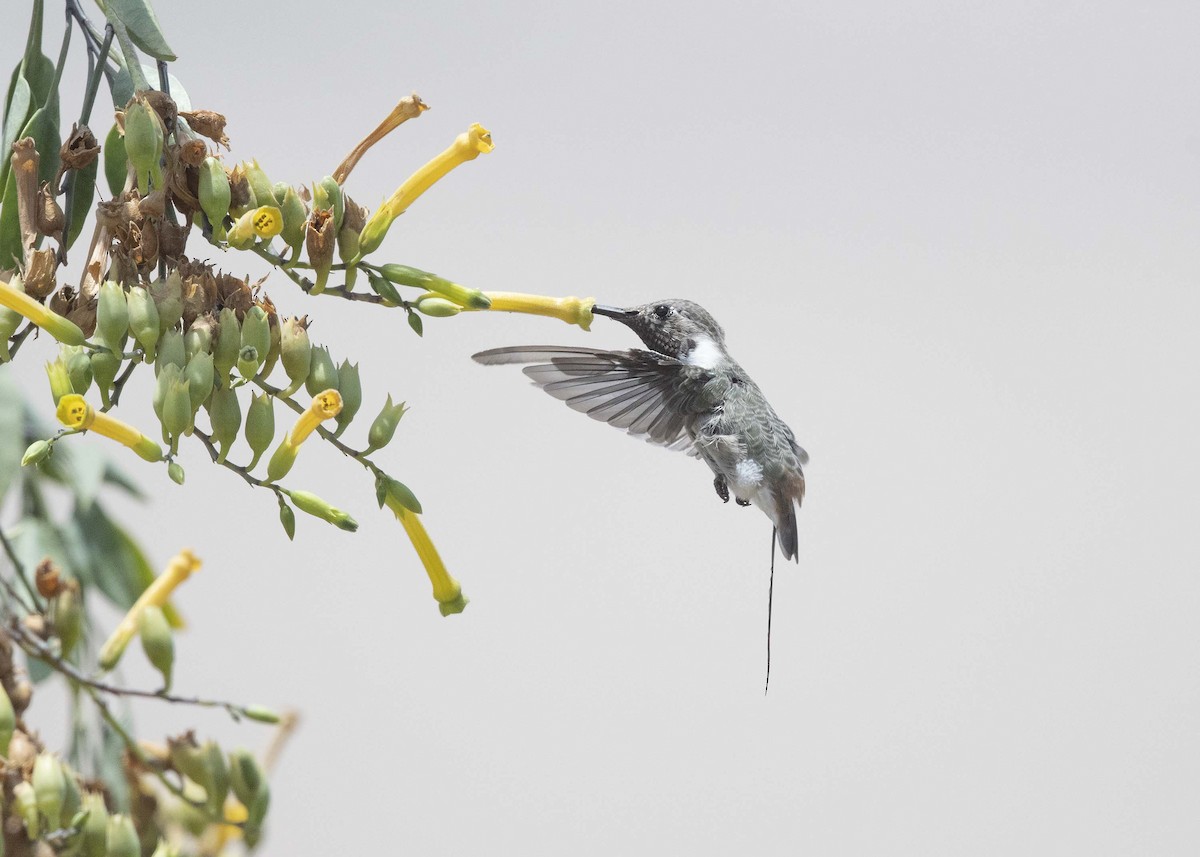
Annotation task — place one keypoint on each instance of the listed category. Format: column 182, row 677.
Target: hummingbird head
column 674, row 327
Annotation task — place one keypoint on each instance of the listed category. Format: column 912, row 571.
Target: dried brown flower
column 208, row 123
column 80, row 148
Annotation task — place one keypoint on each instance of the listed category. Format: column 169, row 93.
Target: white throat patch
column 706, row 354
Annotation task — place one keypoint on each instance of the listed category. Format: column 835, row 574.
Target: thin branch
column 15, row 342
column 19, row 568
column 214, row 453
column 119, row 384
column 359, row 455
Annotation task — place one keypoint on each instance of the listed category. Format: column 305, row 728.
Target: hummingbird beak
column 621, row 315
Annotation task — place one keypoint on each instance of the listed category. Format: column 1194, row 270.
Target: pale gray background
column 957, row 246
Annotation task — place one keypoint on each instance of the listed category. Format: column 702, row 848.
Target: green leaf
column 81, row 191
column 418, row 326
column 38, row 671
column 39, row 73
column 110, row 760
column 16, row 114
column 11, row 253
column 43, row 128
column 115, row 569
column 34, row 539
column 143, row 27
column 116, row 162
column 121, row 88
column 12, row 430
column 113, row 475
column 87, row 474
column 33, row 44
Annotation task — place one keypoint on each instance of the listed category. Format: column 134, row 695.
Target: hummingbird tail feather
column 786, row 501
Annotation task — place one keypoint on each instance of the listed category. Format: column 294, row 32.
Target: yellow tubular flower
column 446, row 590
column 74, row 412
column 325, row 406
column 467, row 146
column 60, row 328
column 156, row 594
column 571, row 310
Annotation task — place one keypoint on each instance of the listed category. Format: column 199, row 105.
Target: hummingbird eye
column 662, row 310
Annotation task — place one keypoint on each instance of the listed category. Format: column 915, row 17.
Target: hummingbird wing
column 635, row 390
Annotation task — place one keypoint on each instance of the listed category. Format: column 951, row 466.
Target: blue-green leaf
column 16, row 114
column 81, row 191
column 139, row 19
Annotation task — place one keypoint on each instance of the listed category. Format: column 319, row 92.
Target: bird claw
column 741, row 502
column 722, row 489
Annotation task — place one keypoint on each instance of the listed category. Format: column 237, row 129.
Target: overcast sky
column 956, row 245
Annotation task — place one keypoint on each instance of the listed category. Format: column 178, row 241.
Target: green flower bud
column 296, row 352
column 229, row 342
column 116, row 162
column 168, row 300
column 403, row 275
column 122, row 838
column 384, row 427
column 350, row 387
column 157, row 641
column 312, row 504
column 436, row 307
column 251, row 788
column 94, row 836
column 60, row 378
column 112, row 316
column 327, row 194
column 176, row 472
column 36, row 453
column 171, row 374
column 177, row 411
column 171, row 352
column 260, row 185
column 72, row 800
column 143, row 320
column 260, row 426
column 68, row 619
column 190, row 759
column 274, row 350
column 225, row 414
column 144, row 145
column 418, row 326
column 8, row 722
column 295, row 214
column 214, row 195
column 263, row 715
column 218, row 777
column 200, row 377
column 389, row 489
column 347, row 243
column 322, row 374
column 248, row 363
column 49, row 788
column 105, row 366
column 256, row 331
column 199, row 338
column 79, row 368
column 25, row 804
column 288, row 518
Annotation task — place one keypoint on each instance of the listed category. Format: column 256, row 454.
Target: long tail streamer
column 770, row 597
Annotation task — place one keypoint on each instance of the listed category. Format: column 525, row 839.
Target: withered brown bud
column 84, row 315
column 235, row 293
column 199, row 291
column 116, row 215
column 62, row 301
column 49, row 214
column 154, row 204
column 208, row 123
column 239, row 189
column 40, row 275
column 148, row 244
column 80, row 149
column 355, row 216
column 193, row 152
column 164, row 106
column 123, row 259
column 182, row 180
column 319, row 238
column 47, row 578
column 172, row 238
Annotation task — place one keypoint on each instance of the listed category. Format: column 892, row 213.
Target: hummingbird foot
column 722, row 489
column 741, row 502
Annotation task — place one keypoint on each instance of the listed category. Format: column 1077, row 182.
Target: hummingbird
column 685, row 393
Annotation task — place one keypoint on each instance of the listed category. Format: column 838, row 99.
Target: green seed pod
column 404, row 275
column 384, row 289
column 274, row 350
column 144, row 145
column 245, row 776
column 171, row 352
column 288, row 519
column 256, row 814
column 260, row 185
column 350, row 387
column 436, row 307
column 8, row 722
column 418, row 326
column 295, row 214
column 49, row 788
column 94, row 836
column 312, row 504
column 388, row 488
column 157, row 641
column 68, row 619
column 36, row 453
column 199, row 338
column 177, row 411
column 248, row 363
column 260, row 426
column 72, row 816
column 122, row 838
column 327, row 194
column 143, row 320
column 200, row 377
column 79, row 369
column 25, row 804
column 322, row 374
column 112, row 316
column 384, row 427
column 176, row 472
column 214, row 195
column 105, row 366
column 190, row 759
column 170, row 376
column 229, row 342
column 296, row 352
column 260, row 713
column 218, row 777
column 225, row 414
column 256, row 331
column 116, row 161
column 60, row 377
column 168, row 300
column 347, row 243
